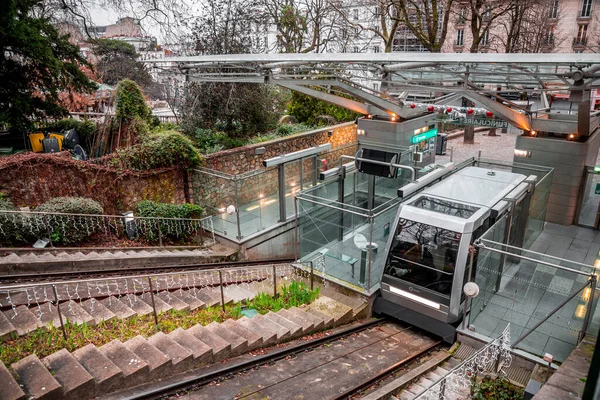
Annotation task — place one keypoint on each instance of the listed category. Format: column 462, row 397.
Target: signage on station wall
column 597, row 191
column 474, row 121
column 424, row 136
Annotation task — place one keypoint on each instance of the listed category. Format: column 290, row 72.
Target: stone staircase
column 95, row 371
column 17, row 261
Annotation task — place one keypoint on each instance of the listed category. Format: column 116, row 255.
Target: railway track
column 331, row 367
column 115, row 273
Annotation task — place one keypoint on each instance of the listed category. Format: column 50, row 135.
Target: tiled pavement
column 529, row 291
column 499, row 147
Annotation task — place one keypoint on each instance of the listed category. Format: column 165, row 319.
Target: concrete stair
column 96, row 371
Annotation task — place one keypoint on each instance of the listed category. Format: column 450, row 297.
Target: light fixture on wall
column 571, row 137
column 522, row 153
column 329, row 133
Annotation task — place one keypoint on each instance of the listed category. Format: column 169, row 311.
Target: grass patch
column 48, row 340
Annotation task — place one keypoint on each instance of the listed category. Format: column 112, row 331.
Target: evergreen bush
column 148, row 208
column 10, row 223
column 71, row 229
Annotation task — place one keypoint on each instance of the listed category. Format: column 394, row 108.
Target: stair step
column 117, row 307
column 174, row 301
column 221, row 348
column 24, row 321
column 341, row 313
column 206, row 297
column 12, row 258
column 159, row 364
column 107, row 375
column 294, row 328
column 318, row 323
column 254, row 339
column 75, row 314
column 29, row 258
column 406, row 395
column 432, row 376
column 441, row 371
column 139, row 306
column 7, row 330
column 306, row 325
column 216, row 293
column 282, row 332
column 9, row 389
column 328, row 320
column 239, row 345
column 181, row 358
column 237, row 293
column 201, row 351
column 192, row 301
column 415, row 389
column 76, row 382
column 268, row 335
column 97, row 310
column 50, row 316
column 35, row 378
column 160, row 305
column 135, row 370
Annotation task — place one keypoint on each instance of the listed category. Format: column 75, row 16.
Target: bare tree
column 427, row 20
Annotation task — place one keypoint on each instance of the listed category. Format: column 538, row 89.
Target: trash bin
column 440, row 144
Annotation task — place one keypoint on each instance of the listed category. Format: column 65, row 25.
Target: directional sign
column 492, row 123
column 424, row 136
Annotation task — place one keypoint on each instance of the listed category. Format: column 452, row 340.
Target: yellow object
column 36, row 142
column 60, row 139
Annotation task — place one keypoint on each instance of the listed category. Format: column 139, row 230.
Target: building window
column 586, row 8
column 355, row 14
column 356, row 30
column 485, row 38
column 376, row 87
column 461, row 16
column 553, row 12
column 375, row 49
column 376, row 14
column 581, row 34
column 550, row 36
column 356, row 49
column 460, row 34
column 487, row 15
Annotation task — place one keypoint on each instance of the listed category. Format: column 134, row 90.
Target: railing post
column 312, row 274
column 468, row 301
column 62, row 324
column 274, row 281
column 442, row 389
column 153, row 305
column 588, row 312
column 159, row 235
column 222, row 294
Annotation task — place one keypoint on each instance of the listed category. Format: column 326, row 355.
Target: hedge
column 148, row 208
column 74, row 229
column 10, row 223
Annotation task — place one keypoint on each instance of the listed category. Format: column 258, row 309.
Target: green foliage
column 495, row 389
column 294, row 295
column 148, row 208
column 86, row 129
column 290, row 129
column 158, row 150
column 36, row 64
column 117, row 61
column 209, row 141
column 10, row 225
column 68, row 231
column 130, row 102
column 307, row 109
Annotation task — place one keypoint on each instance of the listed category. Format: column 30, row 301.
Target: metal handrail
column 144, row 276
column 101, row 215
column 481, row 245
column 540, row 254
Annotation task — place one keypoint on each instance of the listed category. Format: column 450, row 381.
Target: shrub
column 148, row 208
column 499, row 388
column 159, row 150
column 10, row 223
column 71, row 229
column 130, row 102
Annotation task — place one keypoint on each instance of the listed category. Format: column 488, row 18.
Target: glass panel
column 590, row 201
column 258, row 197
column 424, row 255
column 292, row 185
column 445, row 207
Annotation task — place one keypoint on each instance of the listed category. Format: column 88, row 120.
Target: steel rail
column 205, row 378
column 177, row 269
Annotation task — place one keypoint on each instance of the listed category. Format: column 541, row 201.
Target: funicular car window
column 423, row 255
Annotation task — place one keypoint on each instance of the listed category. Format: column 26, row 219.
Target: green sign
column 596, row 169
column 424, row 136
column 474, row 121
column 597, row 188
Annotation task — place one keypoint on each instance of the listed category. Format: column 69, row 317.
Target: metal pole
column 160, row 243
column 153, row 305
column 237, row 210
column 370, row 252
column 451, row 153
column 62, row 324
column 315, row 170
column 221, row 285
column 301, row 163
column 312, row 274
column 588, row 312
column 469, row 280
column 281, row 184
column 297, row 244
column 274, row 281
column 561, row 305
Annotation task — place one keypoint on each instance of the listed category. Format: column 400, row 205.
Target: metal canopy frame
column 471, row 75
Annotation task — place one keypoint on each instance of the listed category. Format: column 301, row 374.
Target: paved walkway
column 499, row 147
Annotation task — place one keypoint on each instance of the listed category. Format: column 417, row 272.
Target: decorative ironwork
column 493, row 358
